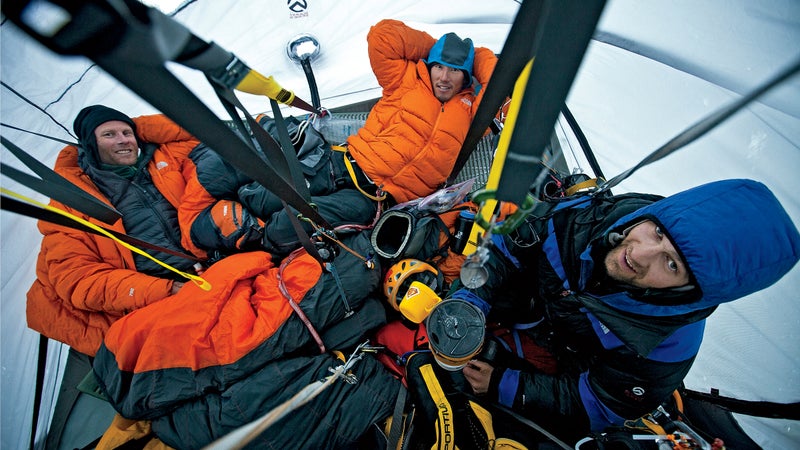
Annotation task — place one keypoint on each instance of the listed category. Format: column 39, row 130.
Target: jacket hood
column 734, row 235
column 452, row 51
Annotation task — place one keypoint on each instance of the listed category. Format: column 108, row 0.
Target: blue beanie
column 452, row 51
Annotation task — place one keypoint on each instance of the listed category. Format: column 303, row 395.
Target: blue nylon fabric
column 600, row 417
column 735, row 236
column 507, row 390
column 500, row 243
column 679, row 346
column 470, row 297
column 550, row 248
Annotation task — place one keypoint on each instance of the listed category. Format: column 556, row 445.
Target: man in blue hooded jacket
column 623, row 287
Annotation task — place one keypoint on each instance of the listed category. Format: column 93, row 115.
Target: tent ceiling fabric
column 654, row 69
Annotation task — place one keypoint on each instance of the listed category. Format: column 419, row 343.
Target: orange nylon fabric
column 242, row 310
column 410, row 140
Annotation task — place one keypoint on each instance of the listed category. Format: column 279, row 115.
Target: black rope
column 705, row 125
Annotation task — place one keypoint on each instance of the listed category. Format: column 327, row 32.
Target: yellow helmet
column 403, row 273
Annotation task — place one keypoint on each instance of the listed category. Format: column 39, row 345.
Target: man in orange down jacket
column 431, row 91
column 85, row 282
column 407, row 147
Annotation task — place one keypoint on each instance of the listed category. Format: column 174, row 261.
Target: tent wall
column 654, row 69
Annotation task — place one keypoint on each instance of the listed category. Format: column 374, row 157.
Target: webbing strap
column 703, row 126
column 396, row 429
column 144, row 38
column 22, row 208
column 583, row 142
column 295, row 171
column 790, row 411
column 566, row 31
column 445, row 428
column 283, row 158
column 57, row 187
column 352, row 171
column 516, row 52
column 41, row 365
column 52, row 138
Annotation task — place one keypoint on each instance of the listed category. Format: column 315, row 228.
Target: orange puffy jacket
column 411, row 140
column 84, row 282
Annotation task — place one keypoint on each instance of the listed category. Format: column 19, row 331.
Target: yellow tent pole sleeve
column 199, row 281
column 487, row 208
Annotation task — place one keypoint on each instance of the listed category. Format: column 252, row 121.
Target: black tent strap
column 517, row 51
column 144, row 38
column 41, row 365
column 57, row 187
column 773, row 410
column 282, row 158
column 703, row 126
column 165, row 92
column 290, row 154
column 16, row 206
column 568, row 27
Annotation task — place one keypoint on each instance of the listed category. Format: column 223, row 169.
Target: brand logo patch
column 297, row 8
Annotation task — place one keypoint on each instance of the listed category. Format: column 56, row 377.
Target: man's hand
column 176, row 286
column 478, row 374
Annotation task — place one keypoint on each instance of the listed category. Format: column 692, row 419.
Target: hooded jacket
column 623, row 351
column 84, row 282
column 410, row 140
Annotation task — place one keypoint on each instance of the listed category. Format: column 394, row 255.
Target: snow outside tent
column 651, row 70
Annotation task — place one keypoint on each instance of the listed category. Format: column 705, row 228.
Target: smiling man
column 606, row 298
column 84, row 281
column 116, row 143
column 431, row 91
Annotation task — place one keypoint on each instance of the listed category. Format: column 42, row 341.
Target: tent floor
column 79, row 418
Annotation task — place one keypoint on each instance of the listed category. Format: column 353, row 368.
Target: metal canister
column 462, row 231
column 456, row 330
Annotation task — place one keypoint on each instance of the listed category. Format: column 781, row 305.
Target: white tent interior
column 652, row 70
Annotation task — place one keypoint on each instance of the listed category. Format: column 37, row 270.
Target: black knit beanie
column 92, row 117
